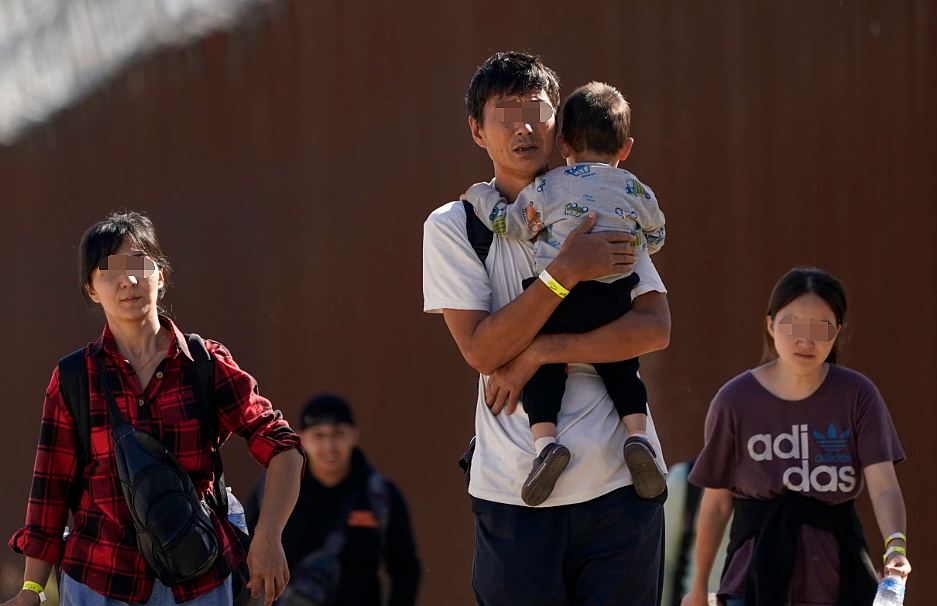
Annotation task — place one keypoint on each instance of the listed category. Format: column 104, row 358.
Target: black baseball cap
column 326, row 409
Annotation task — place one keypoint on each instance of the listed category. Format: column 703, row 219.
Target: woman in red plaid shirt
column 123, row 270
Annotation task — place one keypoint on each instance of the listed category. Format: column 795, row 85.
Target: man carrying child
column 594, row 540
column 594, row 125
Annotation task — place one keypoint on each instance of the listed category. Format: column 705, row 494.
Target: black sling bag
column 174, row 532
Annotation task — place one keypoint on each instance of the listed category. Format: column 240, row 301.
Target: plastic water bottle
column 890, row 591
column 236, row 512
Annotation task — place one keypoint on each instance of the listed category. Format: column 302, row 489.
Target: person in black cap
column 348, row 522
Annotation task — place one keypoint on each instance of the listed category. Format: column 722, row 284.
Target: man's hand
column 506, row 384
column 266, row 562
column 586, row 256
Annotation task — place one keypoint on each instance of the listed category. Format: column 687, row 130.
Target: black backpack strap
column 200, row 374
column 479, row 236
column 73, row 385
column 379, row 499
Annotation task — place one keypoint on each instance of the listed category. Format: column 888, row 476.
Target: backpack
column 73, row 385
column 315, row 580
column 479, row 236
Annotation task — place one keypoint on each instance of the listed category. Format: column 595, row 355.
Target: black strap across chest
column 479, row 236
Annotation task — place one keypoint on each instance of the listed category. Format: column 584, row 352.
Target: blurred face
column 126, row 284
column 804, row 332
column 518, row 132
column 329, row 448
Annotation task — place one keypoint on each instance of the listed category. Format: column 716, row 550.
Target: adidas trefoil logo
column 833, row 441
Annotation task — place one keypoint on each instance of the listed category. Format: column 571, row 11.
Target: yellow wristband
column 33, row 586
column 897, row 535
column 892, row 550
column 553, row 285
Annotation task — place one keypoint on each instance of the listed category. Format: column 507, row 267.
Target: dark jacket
column 316, row 514
column 776, row 525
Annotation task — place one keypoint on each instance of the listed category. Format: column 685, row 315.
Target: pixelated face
column 530, row 112
column 126, row 284
column 329, row 447
column 136, row 265
column 807, row 328
column 804, row 332
column 518, row 132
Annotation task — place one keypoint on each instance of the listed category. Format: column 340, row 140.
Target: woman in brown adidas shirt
column 798, row 423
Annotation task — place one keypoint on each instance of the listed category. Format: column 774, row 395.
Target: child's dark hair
column 507, row 74
column 595, row 117
column 798, row 282
column 105, row 237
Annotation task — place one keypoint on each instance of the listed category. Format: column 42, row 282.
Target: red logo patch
column 363, row 518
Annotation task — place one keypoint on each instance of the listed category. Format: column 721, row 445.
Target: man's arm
column 487, row 342
column 644, row 329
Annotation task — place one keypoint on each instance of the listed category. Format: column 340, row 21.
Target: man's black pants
column 605, row 552
column 588, row 306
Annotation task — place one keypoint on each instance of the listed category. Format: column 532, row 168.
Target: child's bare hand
column 464, row 197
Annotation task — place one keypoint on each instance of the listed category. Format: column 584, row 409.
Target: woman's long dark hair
column 798, row 282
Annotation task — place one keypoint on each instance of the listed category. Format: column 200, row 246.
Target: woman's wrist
column 265, row 532
column 701, row 586
column 27, row 596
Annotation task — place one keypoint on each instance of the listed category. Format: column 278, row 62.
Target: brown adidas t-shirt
column 759, row 446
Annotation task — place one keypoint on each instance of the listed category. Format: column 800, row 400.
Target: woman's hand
column 507, row 383
column 696, row 598
column 266, row 562
column 24, row 598
column 888, row 504
column 898, row 563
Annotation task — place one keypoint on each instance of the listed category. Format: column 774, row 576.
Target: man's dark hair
column 508, row 74
column 105, row 237
column 326, row 409
column 595, row 117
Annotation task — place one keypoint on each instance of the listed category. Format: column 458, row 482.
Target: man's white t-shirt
column 588, row 424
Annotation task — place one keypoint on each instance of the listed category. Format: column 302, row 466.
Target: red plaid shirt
column 101, row 549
